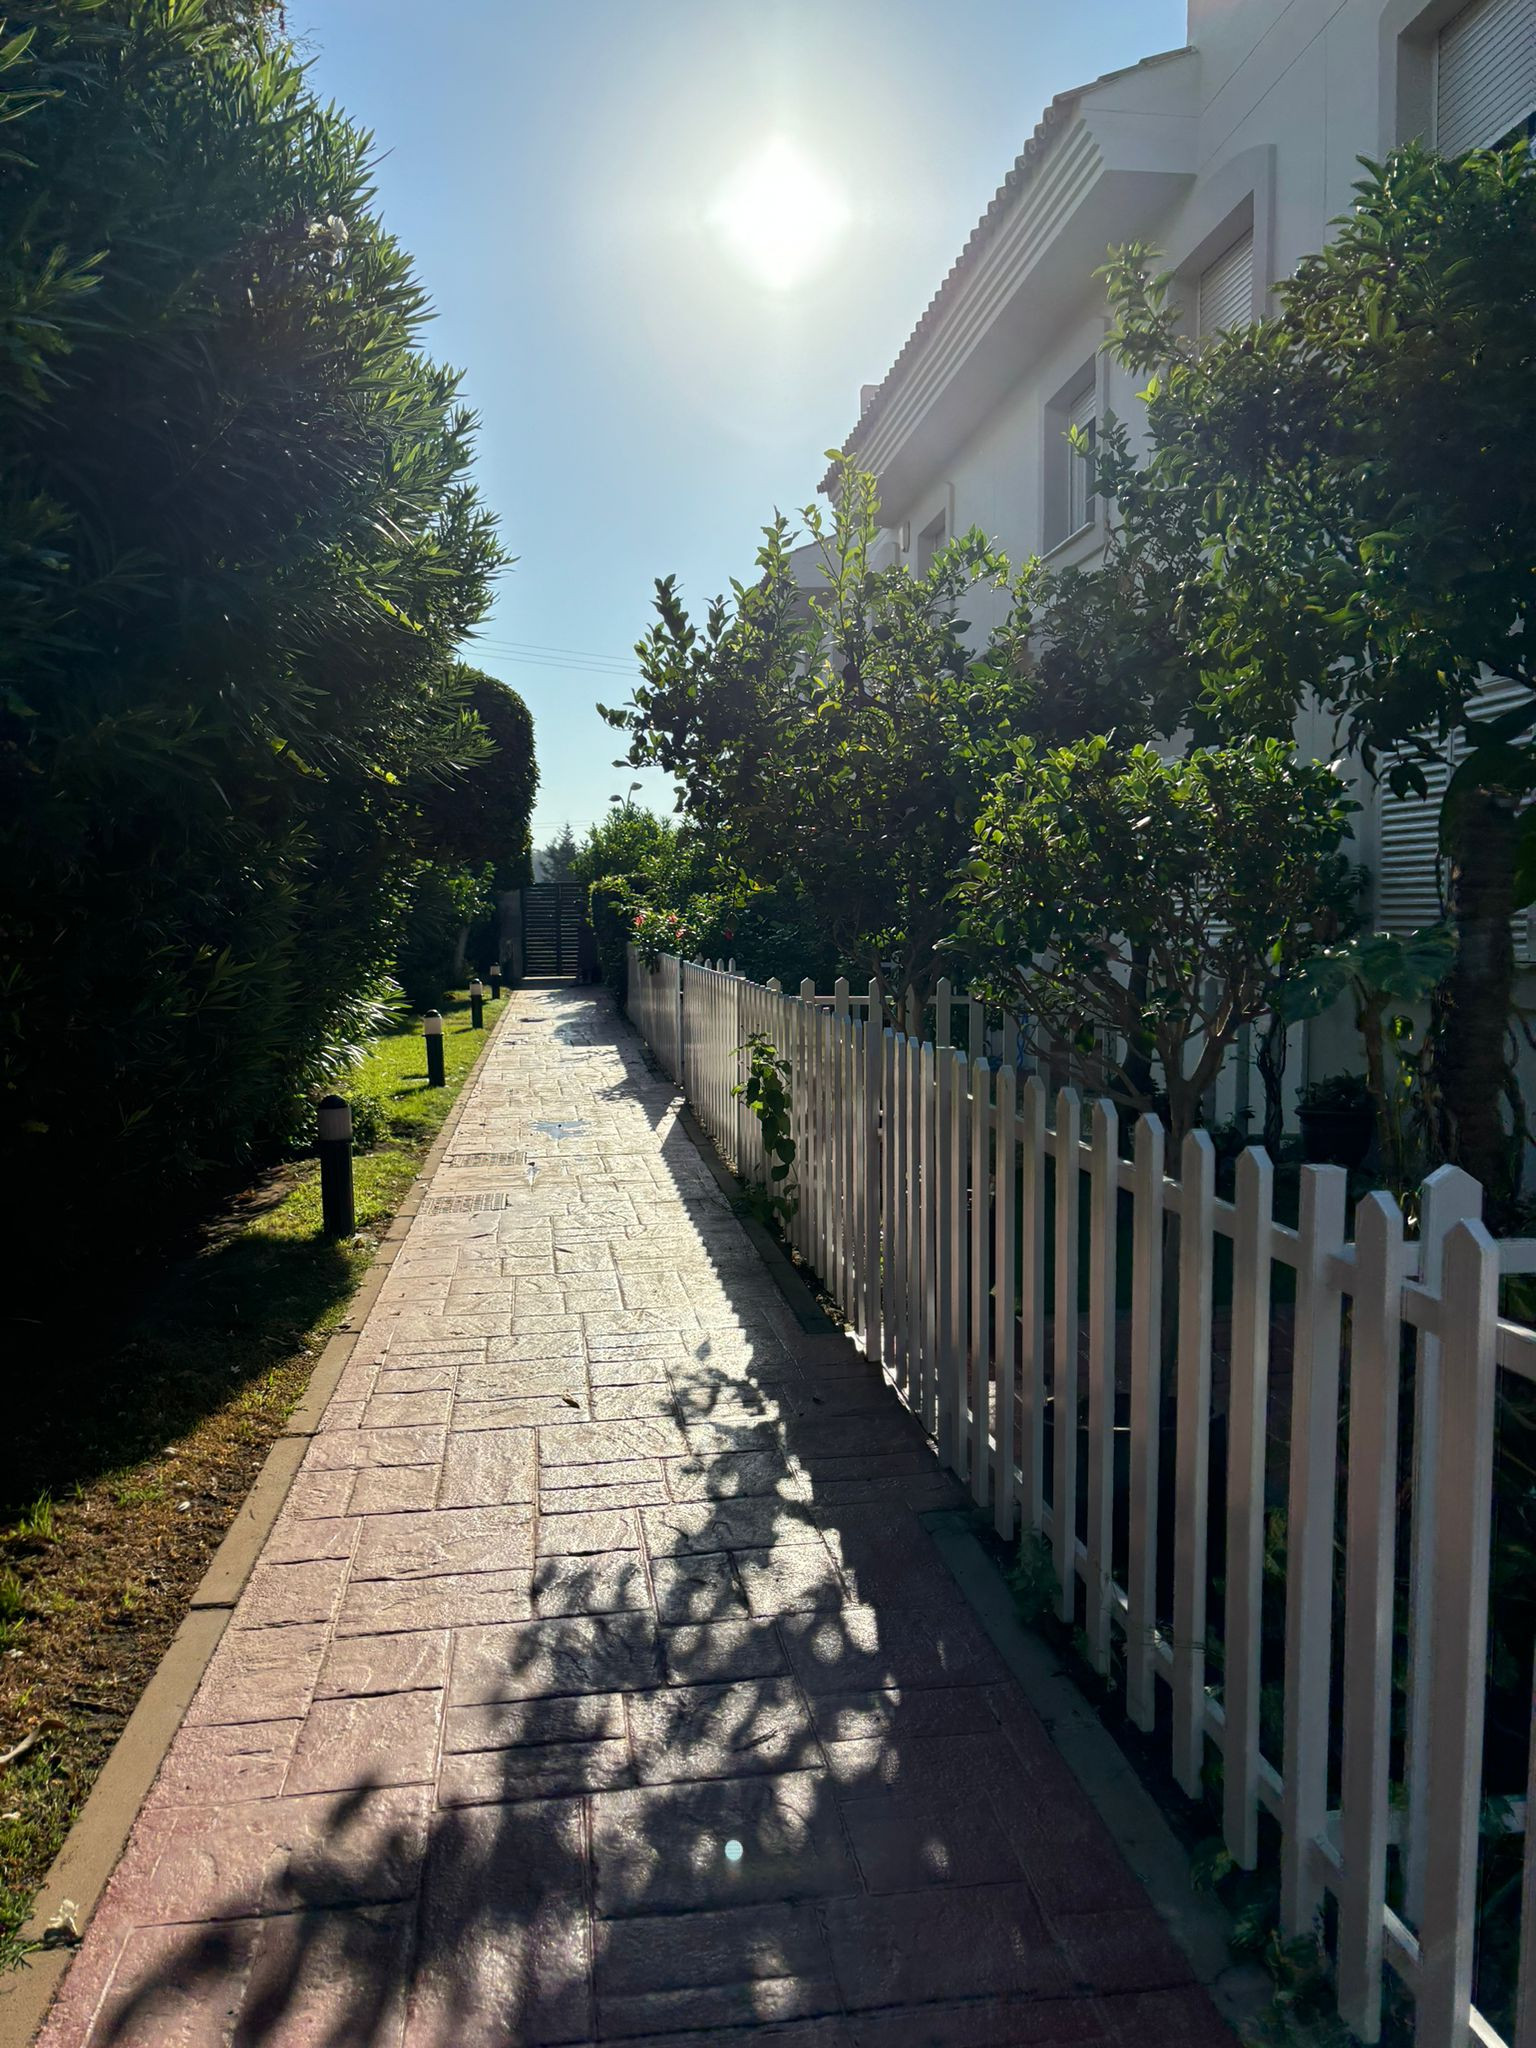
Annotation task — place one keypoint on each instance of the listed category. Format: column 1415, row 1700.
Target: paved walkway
column 600, row 1680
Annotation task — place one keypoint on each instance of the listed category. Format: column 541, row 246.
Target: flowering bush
column 664, row 931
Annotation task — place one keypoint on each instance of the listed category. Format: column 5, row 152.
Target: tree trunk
column 1469, row 1027
column 1274, row 1045
column 1137, row 1066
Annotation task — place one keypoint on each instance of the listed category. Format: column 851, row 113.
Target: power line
column 535, row 657
column 578, row 653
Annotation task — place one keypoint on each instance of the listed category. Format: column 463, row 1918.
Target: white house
column 1231, row 156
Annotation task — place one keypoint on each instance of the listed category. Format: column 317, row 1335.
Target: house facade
column 1231, row 156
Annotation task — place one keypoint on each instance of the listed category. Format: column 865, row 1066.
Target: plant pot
column 1336, row 1137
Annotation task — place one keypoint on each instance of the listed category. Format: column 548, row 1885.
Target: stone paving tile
column 706, row 1971
column 598, row 1653
column 504, row 1959
column 692, row 1732
column 367, row 1739
column 279, row 1595
column 260, row 1675
column 454, row 1600
column 590, row 1585
column 210, row 1765
column 696, row 1587
column 487, row 1469
column 392, row 1489
column 385, row 1663
column 599, row 1682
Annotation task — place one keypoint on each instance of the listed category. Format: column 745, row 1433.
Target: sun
column 778, row 217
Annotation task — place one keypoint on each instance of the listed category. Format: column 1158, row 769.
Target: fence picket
column 1459, row 1645
column 1309, row 1547
column 1146, row 1423
column 869, row 1255
column 1103, row 1210
column 981, row 1188
column 1247, row 1417
column 958, row 1271
column 949, row 1431
column 927, row 1240
column 1032, row 1137
column 1370, row 1503
column 1068, row 1140
column 1525, row 2010
column 804, row 1100
column 1004, row 1318
column 1449, row 1195
column 1192, row 1457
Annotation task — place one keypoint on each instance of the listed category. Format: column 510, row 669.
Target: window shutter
column 1407, row 856
column 1408, row 874
column 1226, row 289
column 1485, row 77
column 1082, row 413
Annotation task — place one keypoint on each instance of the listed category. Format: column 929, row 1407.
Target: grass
column 113, row 1501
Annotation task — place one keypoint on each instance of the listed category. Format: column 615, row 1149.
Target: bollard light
column 477, row 1005
column 338, row 1212
column 432, row 1029
column 495, row 981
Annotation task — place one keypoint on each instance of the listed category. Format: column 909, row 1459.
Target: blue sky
column 580, row 181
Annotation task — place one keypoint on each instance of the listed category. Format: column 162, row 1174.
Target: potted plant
column 1337, row 1118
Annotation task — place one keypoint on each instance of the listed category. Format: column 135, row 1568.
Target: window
column 1225, row 295
column 1409, row 879
column 929, row 541
column 1082, row 413
column 1485, row 76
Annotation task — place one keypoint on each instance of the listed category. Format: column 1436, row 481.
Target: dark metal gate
column 552, row 917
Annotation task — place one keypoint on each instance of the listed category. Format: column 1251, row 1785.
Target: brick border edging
column 90, row 1851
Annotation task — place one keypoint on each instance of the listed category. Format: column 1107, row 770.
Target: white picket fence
column 925, row 1173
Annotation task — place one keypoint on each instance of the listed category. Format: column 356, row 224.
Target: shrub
column 237, row 546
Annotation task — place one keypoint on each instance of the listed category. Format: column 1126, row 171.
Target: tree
column 832, row 736
column 558, row 859
column 1369, row 525
column 237, row 546
column 480, row 817
column 1217, row 873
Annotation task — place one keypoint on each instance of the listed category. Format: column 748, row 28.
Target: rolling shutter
column 1408, row 873
column 1226, row 289
column 1485, row 75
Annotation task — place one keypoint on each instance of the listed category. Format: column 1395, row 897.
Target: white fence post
column 1459, row 1642
column 1146, row 1423
column 946, row 1136
column 1069, row 1120
column 1247, row 1419
column 1309, row 1546
column 1004, row 1319
column 927, row 1226
column 1376, row 1324
column 1447, row 1197
column 982, row 1184
column 875, row 1136
column 1104, row 1203
column 1032, row 1295
column 1192, row 1453
column 958, row 1263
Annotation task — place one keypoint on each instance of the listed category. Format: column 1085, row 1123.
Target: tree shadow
column 752, row 1765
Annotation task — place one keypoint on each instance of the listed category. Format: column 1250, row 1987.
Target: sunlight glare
column 779, row 217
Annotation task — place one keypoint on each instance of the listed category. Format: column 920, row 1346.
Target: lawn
column 116, row 1498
